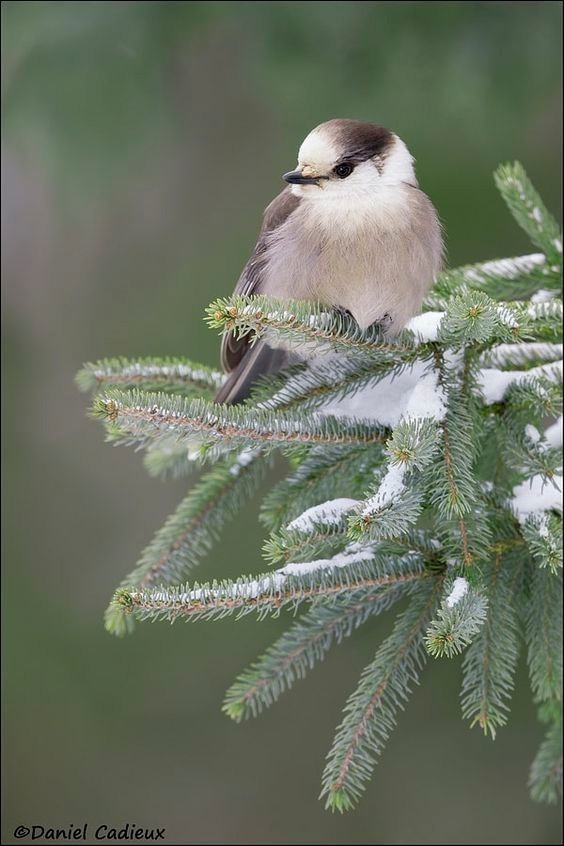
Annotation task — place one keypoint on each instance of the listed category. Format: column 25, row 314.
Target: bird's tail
column 258, row 361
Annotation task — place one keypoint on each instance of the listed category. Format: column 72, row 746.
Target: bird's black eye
column 343, row 170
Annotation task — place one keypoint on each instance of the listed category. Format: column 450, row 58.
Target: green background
column 141, row 142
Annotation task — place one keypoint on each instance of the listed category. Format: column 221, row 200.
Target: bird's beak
column 296, row 177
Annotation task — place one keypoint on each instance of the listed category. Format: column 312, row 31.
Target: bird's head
column 347, row 159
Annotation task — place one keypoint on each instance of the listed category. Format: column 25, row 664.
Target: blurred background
column 141, row 142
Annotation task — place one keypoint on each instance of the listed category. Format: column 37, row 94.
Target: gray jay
column 352, row 230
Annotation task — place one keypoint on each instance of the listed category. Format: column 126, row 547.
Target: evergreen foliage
column 424, row 468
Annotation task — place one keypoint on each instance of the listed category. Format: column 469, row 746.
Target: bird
column 351, row 230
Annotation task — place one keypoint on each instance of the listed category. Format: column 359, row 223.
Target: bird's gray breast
column 372, row 259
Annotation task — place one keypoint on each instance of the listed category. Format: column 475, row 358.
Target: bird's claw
column 344, row 312
column 383, row 323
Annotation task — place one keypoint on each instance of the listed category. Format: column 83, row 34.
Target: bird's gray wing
column 257, row 360
column 234, row 349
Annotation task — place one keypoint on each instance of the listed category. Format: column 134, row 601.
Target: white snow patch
column 553, row 434
column 242, row 460
column 535, row 496
column 327, row 512
column 427, row 398
column 542, row 526
column 521, row 353
column 383, row 402
column 543, row 295
column 414, row 392
column 454, row 358
column 557, row 243
column 459, row 589
column 495, row 383
column 328, row 367
column 390, row 488
column 536, row 214
column 352, row 554
column 532, row 433
column 426, row 326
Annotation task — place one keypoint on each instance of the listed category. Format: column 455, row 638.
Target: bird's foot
column 344, row 312
column 346, row 317
column 383, row 323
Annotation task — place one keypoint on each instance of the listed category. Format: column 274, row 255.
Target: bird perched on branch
column 352, row 230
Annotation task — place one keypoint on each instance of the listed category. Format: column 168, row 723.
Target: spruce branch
column 453, row 488
column 370, row 713
column 169, row 458
column 413, row 443
column 399, row 497
column 545, row 780
column 307, row 324
column 548, row 312
column 294, row 545
column 313, row 481
column 417, row 540
column 190, row 532
column 543, row 632
column 327, row 379
column 490, row 661
column 529, row 211
column 386, row 518
column 541, row 320
column 474, row 318
column 530, row 401
column 459, row 618
column 424, row 466
column 508, row 278
column 526, row 450
column 173, row 375
column 543, row 536
column 512, row 356
column 305, row 644
column 135, row 417
column 269, row 593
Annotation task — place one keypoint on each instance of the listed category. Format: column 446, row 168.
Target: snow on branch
column 357, row 566
column 141, row 418
column 327, row 512
column 494, row 383
column 151, row 374
column 510, row 355
column 459, row 618
column 536, row 496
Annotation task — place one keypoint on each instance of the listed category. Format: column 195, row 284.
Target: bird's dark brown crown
column 359, row 141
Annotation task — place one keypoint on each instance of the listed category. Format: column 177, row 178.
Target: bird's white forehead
column 319, row 149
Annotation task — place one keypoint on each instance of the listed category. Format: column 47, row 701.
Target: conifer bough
column 424, row 470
